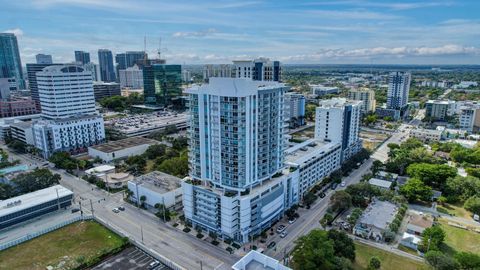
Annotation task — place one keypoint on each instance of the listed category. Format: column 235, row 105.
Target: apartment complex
column 338, row 120
column 469, row 119
column 439, row 109
column 69, row 119
column 397, row 95
column 261, row 69
column 131, row 77
column 294, row 109
column 367, row 97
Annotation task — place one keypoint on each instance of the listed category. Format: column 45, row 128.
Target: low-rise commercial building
column 255, row 260
column 375, row 220
column 121, row 149
column 157, row 188
column 28, row 206
column 379, row 183
column 320, row 90
column 426, row 134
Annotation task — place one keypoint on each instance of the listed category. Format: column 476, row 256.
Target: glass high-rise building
column 162, row 84
column 10, row 63
column 82, row 57
column 128, row 59
column 107, row 70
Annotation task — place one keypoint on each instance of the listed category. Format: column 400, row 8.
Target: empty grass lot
column 460, row 239
column 64, row 248
column 388, row 260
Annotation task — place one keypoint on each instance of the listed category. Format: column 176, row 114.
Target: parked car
column 153, row 264
column 322, row 195
column 74, row 210
column 334, row 186
column 115, row 210
column 272, row 245
column 283, row 234
column 343, row 184
column 291, row 221
column 476, row 217
column 121, row 208
column 281, row 228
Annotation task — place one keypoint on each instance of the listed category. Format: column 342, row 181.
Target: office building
column 82, row 57
column 367, row 97
column 107, row 70
column 17, row 107
column 34, row 204
column 69, row 119
column 43, row 58
column 158, row 188
column 131, row 77
column 294, row 109
column 32, row 70
column 10, row 63
column 162, row 84
column 261, row 69
column 221, row 71
column 128, row 59
column 92, row 68
column 397, row 96
column 103, row 89
column 338, row 120
column 319, row 90
column 439, row 109
column 237, row 186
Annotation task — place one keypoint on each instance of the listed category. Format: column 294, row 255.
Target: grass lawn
column 71, row 245
column 454, row 210
column 388, row 260
column 461, row 239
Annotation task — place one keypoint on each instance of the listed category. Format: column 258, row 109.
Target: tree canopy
column 415, row 190
column 433, row 175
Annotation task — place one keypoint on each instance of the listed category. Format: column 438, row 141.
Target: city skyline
column 313, row 32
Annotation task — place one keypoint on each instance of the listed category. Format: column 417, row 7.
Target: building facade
column 32, row 70
column 162, row 84
column 236, row 185
column 294, row 109
column 44, row 58
column 439, row 109
column 221, row 71
column 397, row 95
column 131, row 77
column 107, row 70
column 102, row 90
column 69, row 119
column 82, row 57
column 10, row 63
column 469, row 119
column 367, row 97
column 319, row 90
column 338, row 120
column 128, row 59
column 17, row 107
column 261, row 69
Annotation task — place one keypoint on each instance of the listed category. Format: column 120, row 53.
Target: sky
column 219, row 31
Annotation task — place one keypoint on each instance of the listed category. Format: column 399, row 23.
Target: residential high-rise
column 261, row 69
column 43, row 58
column 469, row 119
column 295, row 109
column 82, row 57
column 102, row 90
column 131, row 77
column 32, row 70
column 70, row 121
column 128, row 59
column 367, row 97
column 10, row 63
column 107, row 70
column 93, row 68
column 398, row 88
column 220, row 71
column 236, row 186
column 439, row 109
column 338, row 120
column 162, row 84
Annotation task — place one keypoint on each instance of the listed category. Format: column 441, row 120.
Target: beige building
column 367, row 96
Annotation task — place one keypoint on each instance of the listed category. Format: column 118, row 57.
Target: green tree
column 342, row 244
column 468, row 260
column 35, row 180
column 340, row 201
column 7, row 191
column 374, row 263
column 433, row 175
column 461, row 188
column 314, row 251
column 416, row 190
column 440, row 261
column 177, row 166
column 473, row 204
column 432, row 239
column 361, row 193
column 156, row 150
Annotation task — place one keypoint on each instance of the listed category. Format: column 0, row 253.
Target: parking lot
column 130, row 258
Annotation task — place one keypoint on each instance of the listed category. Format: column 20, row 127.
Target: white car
column 291, row 221
column 283, row 234
column 115, row 210
column 281, row 228
column 343, row 184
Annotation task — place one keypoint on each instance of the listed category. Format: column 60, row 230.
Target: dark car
column 271, row 245
column 322, row 195
column 74, row 210
column 121, row 208
column 334, row 186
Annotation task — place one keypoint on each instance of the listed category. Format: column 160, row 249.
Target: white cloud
column 17, row 31
column 195, row 34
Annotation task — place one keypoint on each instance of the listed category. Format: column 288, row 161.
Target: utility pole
column 81, row 211
column 201, row 265
column 141, row 232
column 164, row 209
column 58, row 199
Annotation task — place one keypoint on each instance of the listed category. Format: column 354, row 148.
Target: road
column 179, row 247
